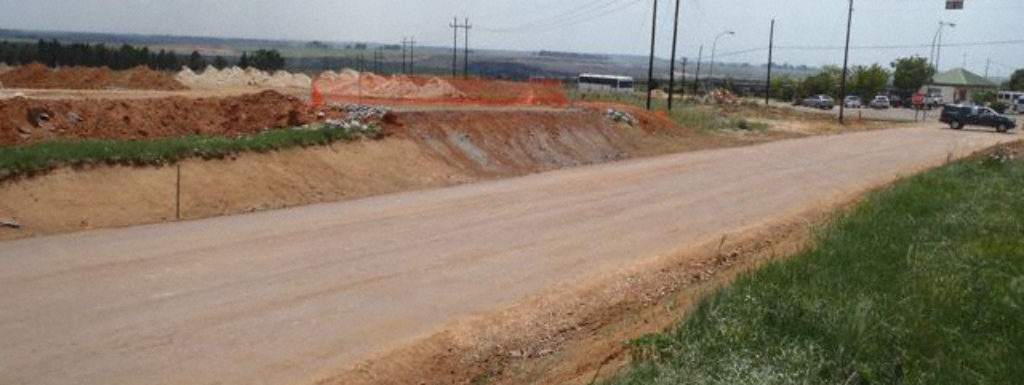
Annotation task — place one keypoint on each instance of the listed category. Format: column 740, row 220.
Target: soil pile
column 86, row 78
column 25, row 121
column 349, row 87
column 211, row 77
column 350, row 83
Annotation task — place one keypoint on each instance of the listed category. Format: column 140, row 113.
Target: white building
column 958, row 86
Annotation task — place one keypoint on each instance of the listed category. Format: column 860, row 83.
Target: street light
column 714, row 46
column 937, row 43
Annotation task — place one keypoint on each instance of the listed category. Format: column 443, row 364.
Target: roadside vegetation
column 42, row 157
column 922, row 284
column 685, row 113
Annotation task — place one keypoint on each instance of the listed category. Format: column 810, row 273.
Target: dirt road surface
column 295, row 295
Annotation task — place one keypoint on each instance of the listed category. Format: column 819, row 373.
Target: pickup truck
column 957, row 116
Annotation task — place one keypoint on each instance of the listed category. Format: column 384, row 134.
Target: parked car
column 881, row 102
column 852, row 102
column 824, row 102
column 897, row 101
column 957, row 116
column 1019, row 106
column 933, row 101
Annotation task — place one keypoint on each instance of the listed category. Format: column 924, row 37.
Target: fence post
column 177, row 195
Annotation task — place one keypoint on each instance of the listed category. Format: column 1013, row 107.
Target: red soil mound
column 84, row 78
column 420, row 90
column 24, row 120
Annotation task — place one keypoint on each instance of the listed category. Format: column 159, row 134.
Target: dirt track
column 298, row 295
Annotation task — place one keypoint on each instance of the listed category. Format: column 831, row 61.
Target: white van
column 1019, row 105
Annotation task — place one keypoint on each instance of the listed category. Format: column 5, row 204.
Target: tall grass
column 36, row 158
column 922, row 284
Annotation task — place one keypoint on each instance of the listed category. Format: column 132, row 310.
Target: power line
column 591, row 17
column 904, row 46
column 873, row 47
column 567, row 22
column 558, row 18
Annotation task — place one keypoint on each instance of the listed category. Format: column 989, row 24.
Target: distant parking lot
column 891, row 114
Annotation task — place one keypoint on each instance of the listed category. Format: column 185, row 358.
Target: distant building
column 958, row 86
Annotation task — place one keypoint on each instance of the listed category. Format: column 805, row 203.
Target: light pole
column 714, row 46
column 937, row 43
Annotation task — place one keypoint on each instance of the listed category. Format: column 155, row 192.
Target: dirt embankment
column 31, row 120
column 421, row 150
column 85, row 78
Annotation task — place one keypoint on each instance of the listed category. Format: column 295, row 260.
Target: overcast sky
column 599, row 26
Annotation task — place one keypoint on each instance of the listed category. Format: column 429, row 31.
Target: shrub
column 999, row 106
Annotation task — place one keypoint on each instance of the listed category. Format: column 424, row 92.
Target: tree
column 196, row 61
column 220, row 63
column 784, row 88
column 911, row 73
column 984, row 97
column 868, row 81
column 267, row 60
column 825, row 82
column 1016, row 81
column 244, row 61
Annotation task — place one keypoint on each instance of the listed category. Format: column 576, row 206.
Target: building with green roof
column 958, row 85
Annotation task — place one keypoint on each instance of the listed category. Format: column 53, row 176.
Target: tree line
column 908, row 76
column 54, row 54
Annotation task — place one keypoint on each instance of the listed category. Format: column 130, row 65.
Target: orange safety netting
column 368, row 88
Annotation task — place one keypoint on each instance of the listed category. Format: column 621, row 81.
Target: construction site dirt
column 24, row 120
column 508, row 278
column 368, row 88
column 41, row 77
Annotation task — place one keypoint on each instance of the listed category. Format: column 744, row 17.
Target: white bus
column 591, row 82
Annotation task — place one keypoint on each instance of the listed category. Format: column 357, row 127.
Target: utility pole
column 380, row 59
column 987, row 64
column 650, row 65
column 405, row 42
column 412, row 57
column 682, row 78
column 696, row 76
column 672, row 66
column 846, row 68
column 455, row 46
column 771, row 46
column 465, row 58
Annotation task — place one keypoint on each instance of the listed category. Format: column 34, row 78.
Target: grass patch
column 922, row 284
column 42, row 157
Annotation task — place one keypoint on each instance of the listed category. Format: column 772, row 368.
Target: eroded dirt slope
column 421, row 150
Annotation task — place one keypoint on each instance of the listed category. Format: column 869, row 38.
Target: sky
column 807, row 31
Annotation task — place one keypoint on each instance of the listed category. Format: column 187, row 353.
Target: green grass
column 689, row 115
column 922, row 284
column 42, row 157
